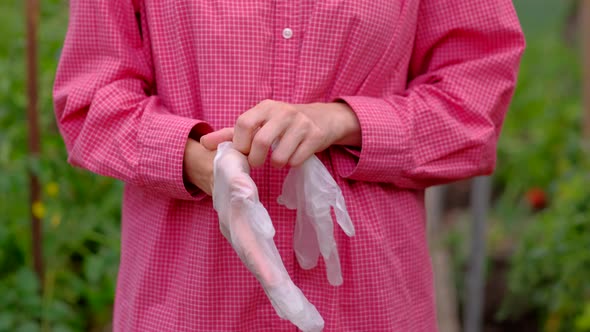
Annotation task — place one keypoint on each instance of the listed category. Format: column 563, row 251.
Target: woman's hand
column 301, row 129
column 198, row 165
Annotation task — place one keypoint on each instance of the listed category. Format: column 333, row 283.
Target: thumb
column 212, row 140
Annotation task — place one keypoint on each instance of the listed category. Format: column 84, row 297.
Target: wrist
column 345, row 124
column 198, row 166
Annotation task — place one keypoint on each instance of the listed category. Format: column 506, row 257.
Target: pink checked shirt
column 430, row 82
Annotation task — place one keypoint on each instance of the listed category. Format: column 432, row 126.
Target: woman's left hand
column 300, row 129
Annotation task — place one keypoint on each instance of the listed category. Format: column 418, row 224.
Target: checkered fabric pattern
column 430, row 81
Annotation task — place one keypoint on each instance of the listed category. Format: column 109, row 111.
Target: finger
column 304, row 151
column 263, row 139
column 247, row 124
column 212, row 140
column 290, row 141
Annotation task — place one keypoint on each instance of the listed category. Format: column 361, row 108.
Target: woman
column 394, row 96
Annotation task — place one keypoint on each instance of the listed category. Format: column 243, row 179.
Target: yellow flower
column 52, row 189
column 38, row 209
column 55, row 220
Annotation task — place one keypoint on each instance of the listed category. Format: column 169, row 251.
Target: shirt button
column 287, row 33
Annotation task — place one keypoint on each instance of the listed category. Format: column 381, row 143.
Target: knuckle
column 306, row 122
column 266, row 102
column 305, row 117
column 295, row 161
column 290, row 110
column 244, row 122
column 278, row 161
column 253, row 160
column 261, row 141
column 317, row 134
column 299, row 123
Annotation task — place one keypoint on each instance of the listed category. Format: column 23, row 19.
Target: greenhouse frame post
column 32, row 22
column 585, row 46
column 476, row 276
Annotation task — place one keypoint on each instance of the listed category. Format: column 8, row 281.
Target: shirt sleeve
column 112, row 121
column 445, row 126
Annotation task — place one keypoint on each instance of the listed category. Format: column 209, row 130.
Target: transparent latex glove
column 245, row 223
column 311, row 190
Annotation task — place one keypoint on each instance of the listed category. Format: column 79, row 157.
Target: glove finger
column 262, row 258
column 333, row 269
column 225, row 231
column 342, row 216
column 317, row 175
column 325, row 237
column 305, row 242
column 290, row 303
column 260, row 220
column 323, row 190
column 244, row 197
column 288, row 197
column 259, row 254
column 324, row 227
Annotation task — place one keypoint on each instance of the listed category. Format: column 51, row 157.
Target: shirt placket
column 288, row 37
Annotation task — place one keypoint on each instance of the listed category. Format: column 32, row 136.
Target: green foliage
column 551, row 267
column 583, row 320
column 80, row 211
column 541, row 136
column 541, row 146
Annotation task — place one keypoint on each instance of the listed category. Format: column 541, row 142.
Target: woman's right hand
column 198, row 165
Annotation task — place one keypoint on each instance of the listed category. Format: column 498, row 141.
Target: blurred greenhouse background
column 538, row 231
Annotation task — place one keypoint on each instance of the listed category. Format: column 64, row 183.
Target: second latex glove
column 245, row 223
column 311, row 190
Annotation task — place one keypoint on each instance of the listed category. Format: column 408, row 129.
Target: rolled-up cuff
column 162, row 154
column 384, row 150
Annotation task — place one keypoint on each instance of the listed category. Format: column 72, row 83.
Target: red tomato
column 536, row 198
